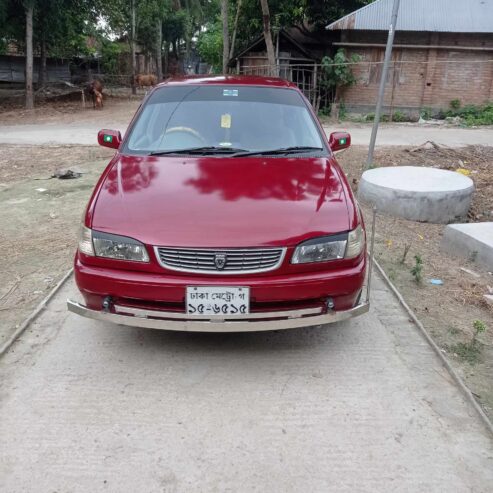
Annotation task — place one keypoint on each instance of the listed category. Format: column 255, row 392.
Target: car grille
column 220, row 261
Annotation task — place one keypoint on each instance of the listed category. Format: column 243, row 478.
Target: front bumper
column 260, row 321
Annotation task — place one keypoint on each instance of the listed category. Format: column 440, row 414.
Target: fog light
column 106, row 305
column 330, row 304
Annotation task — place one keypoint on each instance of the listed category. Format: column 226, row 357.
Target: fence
column 309, row 77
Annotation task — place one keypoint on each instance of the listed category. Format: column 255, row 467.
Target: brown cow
column 146, row 80
column 95, row 90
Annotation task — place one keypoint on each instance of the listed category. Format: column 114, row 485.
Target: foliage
column 471, row 350
column 337, row 71
column 479, row 327
column 426, row 113
column 473, row 115
column 399, row 116
column 111, row 52
column 455, row 104
column 210, row 45
column 468, row 351
column 417, row 270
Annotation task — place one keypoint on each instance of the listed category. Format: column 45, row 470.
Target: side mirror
column 109, row 138
column 339, row 141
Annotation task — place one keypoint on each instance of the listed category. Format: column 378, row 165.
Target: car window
column 242, row 117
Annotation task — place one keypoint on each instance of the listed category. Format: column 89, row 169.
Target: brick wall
column 422, row 77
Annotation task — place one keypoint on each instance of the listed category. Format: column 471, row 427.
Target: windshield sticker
column 230, row 92
column 226, row 121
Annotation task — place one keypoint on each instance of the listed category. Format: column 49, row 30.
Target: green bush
column 426, row 113
column 399, row 116
column 324, row 112
column 210, row 45
column 370, row 117
column 455, row 104
column 474, row 115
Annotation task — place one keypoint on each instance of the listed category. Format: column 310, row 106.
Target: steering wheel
column 186, row 130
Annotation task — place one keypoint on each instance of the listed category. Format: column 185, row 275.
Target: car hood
column 221, row 202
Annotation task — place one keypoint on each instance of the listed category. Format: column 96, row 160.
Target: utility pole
column 383, row 81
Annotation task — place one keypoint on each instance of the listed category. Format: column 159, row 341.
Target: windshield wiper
column 282, row 150
column 199, row 150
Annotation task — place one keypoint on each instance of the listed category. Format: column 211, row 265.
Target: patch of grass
column 426, row 113
column 399, row 116
column 417, row 270
column 473, row 115
column 324, row 112
column 342, row 110
column 370, row 117
column 467, row 351
column 453, row 331
column 455, row 104
column 471, row 351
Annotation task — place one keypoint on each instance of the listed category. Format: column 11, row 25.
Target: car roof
column 235, row 80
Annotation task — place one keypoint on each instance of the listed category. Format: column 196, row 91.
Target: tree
column 337, row 74
column 29, row 6
column 159, row 48
column 224, row 19
column 271, row 56
column 132, row 45
column 235, row 30
column 210, row 45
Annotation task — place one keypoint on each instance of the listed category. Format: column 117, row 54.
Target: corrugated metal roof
column 457, row 16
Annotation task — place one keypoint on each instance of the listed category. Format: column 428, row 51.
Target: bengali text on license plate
column 203, row 300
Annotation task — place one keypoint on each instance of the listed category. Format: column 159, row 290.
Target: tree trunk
column 166, row 58
column 132, row 47
column 271, row 56
column 159, row 50
column 224, row 18
column 235, row 29
column 42, row 74
column 29, row 58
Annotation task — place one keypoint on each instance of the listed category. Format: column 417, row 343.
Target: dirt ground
column 447, row 311
column 39, row 220
column 120, row 109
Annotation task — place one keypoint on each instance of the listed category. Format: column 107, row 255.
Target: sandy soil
column 39, row 220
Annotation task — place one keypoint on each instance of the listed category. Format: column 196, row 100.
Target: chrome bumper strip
column 156, row 319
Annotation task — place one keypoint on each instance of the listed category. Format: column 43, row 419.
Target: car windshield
column 214, row 119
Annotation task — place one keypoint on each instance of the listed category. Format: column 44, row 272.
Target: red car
column 223, row 209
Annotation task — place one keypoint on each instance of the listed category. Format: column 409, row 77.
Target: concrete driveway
column 358, row 407
column 85, row 133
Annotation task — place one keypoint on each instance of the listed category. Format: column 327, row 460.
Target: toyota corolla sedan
column 223, row 209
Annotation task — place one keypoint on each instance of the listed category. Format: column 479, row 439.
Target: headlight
column 320, row 249
column 111, row 246
column 325, row 248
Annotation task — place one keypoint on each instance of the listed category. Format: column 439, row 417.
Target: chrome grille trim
column 201, row 260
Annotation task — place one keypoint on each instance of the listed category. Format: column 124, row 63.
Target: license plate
column 205, row 300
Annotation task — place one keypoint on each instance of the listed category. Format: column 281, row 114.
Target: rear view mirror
column 109, row 138
column 339, row 141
